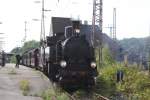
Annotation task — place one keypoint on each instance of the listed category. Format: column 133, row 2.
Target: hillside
column 136, row 48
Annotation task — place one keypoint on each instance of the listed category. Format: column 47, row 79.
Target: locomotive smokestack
column 76, row 24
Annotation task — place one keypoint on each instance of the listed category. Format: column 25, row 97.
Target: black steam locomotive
column 66, row 57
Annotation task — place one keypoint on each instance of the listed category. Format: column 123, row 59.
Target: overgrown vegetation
column 53, row 94
column 135, row 84
column 24, row 86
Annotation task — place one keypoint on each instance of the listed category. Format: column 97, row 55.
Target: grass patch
column 52, row 94
column 80, row 93
column 24, row 86
column 48, row 94
column 12, row 71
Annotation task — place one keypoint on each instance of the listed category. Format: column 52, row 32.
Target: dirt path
column 10, row 78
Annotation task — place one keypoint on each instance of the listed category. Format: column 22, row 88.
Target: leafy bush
column 106, row 81
column 107, row 58
column 135, row 84
column 48, row 94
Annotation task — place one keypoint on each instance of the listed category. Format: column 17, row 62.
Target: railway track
column 100, row 97
column 96, row 97
column 70, row 96
column 87, row 96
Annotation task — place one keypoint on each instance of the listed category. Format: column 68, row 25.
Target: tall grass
column 53, row 94
column 24, row 86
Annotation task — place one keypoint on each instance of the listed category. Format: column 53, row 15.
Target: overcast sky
column 133, row 17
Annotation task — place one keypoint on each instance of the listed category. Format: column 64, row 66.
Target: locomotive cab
column 73, row 30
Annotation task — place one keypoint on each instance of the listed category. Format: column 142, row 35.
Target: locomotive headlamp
column 63, row 64
column 77, row 30
column 93, row 64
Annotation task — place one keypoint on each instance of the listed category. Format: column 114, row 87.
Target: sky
column 133, row 17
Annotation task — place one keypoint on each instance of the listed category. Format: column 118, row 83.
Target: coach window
column 68, row 31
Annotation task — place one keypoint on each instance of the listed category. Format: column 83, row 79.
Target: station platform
column 10, row 78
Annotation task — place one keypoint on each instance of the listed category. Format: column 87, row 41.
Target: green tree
column 16, row 50
column 27, row 46
column 30, row 45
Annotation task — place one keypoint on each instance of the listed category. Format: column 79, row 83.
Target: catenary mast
column 114, row 24
column 97, row 19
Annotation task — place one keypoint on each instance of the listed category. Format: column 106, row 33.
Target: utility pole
column 42, row 36
column 97, row 19
column 147, row 51
column 148, row 44
column 114, row 24
column 1, row 45
column 1, row 42
column 42, row 23
column 25, row 31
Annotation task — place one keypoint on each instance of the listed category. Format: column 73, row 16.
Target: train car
column 24, row 59
column 31, row 58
